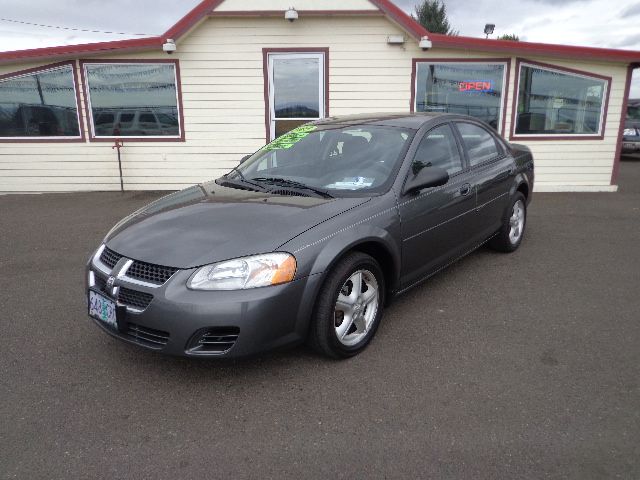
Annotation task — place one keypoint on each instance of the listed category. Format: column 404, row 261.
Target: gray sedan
column 310, row 237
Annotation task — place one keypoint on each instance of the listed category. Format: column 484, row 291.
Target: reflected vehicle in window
column 631, row 133
column 135, row 123
column 310, row 237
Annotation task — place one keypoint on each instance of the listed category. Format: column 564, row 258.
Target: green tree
column 432, row 15
column 509, row 36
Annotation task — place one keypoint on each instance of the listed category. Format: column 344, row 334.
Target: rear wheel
column 510, row 235
column 349, row 307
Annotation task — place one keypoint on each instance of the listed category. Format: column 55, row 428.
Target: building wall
column 221, row 67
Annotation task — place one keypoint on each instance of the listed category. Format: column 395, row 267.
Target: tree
column 432, row 15
column 509, row 36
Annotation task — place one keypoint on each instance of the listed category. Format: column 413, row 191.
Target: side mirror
column 244, row 159
column 426, row 177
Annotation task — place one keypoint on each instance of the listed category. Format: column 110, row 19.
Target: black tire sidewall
column 517, row 197
column 347, row 267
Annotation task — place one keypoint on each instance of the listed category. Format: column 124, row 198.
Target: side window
column 479, row 144
column 439, row 149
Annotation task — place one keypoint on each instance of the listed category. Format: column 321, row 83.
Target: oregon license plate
column 103, row 309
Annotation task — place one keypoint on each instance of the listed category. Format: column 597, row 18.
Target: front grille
column 100, row 283
column 133, row 298
column 109, row 257
column 148, row 272
column 147, row 336
column 215, row 340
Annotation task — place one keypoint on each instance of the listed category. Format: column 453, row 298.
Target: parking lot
column 503, row 366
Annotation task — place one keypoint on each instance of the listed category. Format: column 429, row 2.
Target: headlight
column 630, row 132
column 247, row 272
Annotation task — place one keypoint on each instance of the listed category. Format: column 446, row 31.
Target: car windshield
column 343, row 160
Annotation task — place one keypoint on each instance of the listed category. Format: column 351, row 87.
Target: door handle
column 465, row 189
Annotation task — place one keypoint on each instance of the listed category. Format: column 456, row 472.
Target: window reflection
column 462, row 88
column 41, row 104
column 552, row 102
column 296, row 85
column 133, row 100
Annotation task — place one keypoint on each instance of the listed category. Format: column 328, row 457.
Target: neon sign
column 482, row 86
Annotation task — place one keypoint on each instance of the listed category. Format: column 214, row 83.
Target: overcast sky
column 597, row 23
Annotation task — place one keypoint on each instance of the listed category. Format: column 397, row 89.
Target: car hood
column 208, row 223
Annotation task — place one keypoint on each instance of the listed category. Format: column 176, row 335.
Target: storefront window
column 465, row 88
column 39, row 105
column 133, row 99
column 554, row 102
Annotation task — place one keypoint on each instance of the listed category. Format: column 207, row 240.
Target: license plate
column 103, row 309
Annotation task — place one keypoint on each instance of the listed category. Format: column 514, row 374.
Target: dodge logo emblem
column 111, row 281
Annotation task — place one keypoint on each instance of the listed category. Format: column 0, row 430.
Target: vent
column 217, row 340
column 147, row 272
column 289, row 193
column 147, row 336
column 133, row 298
column 110, row 258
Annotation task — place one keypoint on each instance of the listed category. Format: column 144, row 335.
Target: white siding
column 221, row 67
column 253, row 5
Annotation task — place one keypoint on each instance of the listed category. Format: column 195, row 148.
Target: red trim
column 137, row 44
column 530, row 48
column 623, row 116
column 505, row 87
column 265, row 73
column 302, row 13
column 406, row 22
column 401, row 18
column 88, row 112
column 512, row 130
column 199, row 12
column 76, row 86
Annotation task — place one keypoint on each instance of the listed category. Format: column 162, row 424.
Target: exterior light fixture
column 425, row 43
column 488, row 29
column 169, row 46
column 395, row 39
column 291, row 14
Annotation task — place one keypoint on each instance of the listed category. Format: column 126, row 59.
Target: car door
column 492, row 170
column 435, row 221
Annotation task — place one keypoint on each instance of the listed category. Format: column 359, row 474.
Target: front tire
column 349, row 307
column 510, row 235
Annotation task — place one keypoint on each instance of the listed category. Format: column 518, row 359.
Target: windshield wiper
column 285, row 182
column 242, row 182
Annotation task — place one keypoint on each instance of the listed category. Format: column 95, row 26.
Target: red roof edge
column 74, row 50
column 198, row 12
column 392, row 11
column 401, row 18
column 531, row 48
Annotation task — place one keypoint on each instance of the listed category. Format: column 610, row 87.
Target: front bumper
column 630, row 146
column 237, row 323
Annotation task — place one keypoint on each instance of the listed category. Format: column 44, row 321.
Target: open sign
column 481, row 86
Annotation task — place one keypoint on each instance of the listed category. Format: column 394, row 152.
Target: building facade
column 242, row 74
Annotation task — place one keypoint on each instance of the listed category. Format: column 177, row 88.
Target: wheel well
column 384, row 258
column 524, row 189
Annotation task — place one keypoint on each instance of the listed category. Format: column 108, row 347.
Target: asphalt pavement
column 503, row 366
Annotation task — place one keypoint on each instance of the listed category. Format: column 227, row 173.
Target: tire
column 510, row 235
column 343, row 321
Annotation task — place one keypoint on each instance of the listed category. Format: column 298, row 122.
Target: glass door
column 296, row 90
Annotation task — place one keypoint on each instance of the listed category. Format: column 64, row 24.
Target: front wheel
column 349, row 307
column 510, row 235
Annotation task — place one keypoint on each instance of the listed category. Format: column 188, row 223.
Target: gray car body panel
column 417, row 233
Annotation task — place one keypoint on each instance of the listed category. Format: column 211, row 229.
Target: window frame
column 266, row 71
column 147, row 138
column 455, row 135
column 506, row 76
column 566, row 71
column 500, row 149
column 51, row 139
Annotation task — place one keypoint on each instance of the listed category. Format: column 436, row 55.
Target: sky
column 597, row 23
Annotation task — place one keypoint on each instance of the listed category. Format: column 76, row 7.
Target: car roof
column 402, row 119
